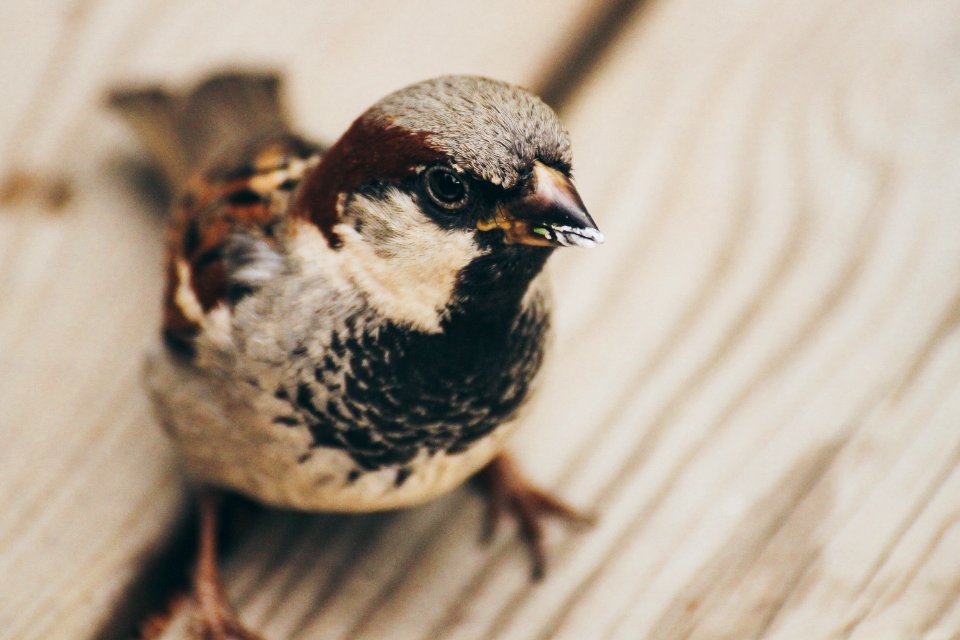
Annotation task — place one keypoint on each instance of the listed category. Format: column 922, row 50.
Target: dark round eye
column 445, row 187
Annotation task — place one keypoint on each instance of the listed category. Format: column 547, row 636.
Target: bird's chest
column 387, row 394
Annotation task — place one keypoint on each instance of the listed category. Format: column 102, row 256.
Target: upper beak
column 549, row 213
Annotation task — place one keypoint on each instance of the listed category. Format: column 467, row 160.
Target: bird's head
column 461, row 181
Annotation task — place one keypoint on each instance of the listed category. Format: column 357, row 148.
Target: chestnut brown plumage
column 356, row 328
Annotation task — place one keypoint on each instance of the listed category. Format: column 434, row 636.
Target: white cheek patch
column 405, row 263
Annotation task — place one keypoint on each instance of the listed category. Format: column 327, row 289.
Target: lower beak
column 549, row 213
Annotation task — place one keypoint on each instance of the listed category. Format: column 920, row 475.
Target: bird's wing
column 226, row 149
column 222, row 238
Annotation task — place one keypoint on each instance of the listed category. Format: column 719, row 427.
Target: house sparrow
column 355, row 328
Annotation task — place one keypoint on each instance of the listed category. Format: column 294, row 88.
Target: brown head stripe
column 369, row 151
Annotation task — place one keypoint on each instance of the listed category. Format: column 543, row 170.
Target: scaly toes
column 509, row 491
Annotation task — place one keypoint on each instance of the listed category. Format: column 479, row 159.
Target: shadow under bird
column 356, row 327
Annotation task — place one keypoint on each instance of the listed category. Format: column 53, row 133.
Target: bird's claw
column 222, row 624
column 509, row 491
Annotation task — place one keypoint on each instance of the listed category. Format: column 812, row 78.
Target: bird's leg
column 216, row 617
column 508, row 490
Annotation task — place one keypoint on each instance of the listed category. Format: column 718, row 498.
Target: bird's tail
column 186, row 131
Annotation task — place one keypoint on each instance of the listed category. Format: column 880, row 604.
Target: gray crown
column 490, row 128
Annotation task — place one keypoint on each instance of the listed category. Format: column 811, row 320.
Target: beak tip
column 597, row 240
column 568, row 236
column 592, row 243
column 587, row 238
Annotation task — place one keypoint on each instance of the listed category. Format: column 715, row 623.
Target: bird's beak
column 548, row 213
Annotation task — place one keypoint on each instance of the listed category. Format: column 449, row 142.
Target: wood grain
column 89, row 486
column 757, row 379
column 756, row 384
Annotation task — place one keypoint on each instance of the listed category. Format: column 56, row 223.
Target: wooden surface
column 88, row 484
column 757, row 382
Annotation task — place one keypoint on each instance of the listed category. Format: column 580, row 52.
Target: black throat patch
column 384, row 396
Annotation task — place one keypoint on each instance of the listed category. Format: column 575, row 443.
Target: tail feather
column 185, row 132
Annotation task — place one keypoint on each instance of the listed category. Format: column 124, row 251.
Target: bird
column 359, row 326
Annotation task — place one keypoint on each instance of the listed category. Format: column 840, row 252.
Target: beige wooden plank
column 88, row 483
column 912, row 590
column 756, row 380
column 946, row 625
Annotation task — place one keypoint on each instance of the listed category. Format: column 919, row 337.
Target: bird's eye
column 445, row 187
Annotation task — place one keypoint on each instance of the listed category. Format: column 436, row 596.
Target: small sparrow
column 356, row 327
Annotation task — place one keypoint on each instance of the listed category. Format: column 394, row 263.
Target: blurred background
column 756, row 383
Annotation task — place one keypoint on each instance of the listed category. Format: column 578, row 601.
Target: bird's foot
column 222, row 625
column 216, row 619
column 509, row 491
